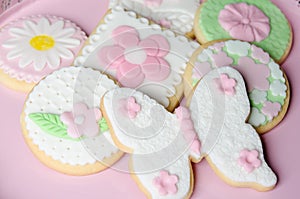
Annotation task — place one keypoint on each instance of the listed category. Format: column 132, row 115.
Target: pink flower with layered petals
column 271, row 109
column 136, row 59
column 166, row 183
column 249, row 160
column 82, row 121
column 245, row 22
column 132, row 107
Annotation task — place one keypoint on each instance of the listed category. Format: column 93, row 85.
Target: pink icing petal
column 132, row 107
column 255, row 74
column 249, row 160
column 115, row 55
column 259, row 54
column 201, row 69
column 153, row 3
column 127, row 40
column 163, row 44
column 166, row 183
column 247, row 31
column 271, row 109
column 245, row 22
column 221, row 59
column 68, row 119
column 150, row 46
column 218, row 46
column 226, row 84
column 121, row 30
column 165, row 23
column 130, row 75
column 97, row 113
column 156, row 69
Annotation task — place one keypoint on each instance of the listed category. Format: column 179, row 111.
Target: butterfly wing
column 219, row 109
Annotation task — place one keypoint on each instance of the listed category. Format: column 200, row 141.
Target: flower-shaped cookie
column 249, row 160
column 136, row 59
column 245, row 22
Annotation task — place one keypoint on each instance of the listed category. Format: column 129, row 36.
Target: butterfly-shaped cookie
column 163, row 145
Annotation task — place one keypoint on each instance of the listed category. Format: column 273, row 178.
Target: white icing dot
column 278, row 88
column 276, row 72
column 256, row 118
column 258, row 97
column 238, row 47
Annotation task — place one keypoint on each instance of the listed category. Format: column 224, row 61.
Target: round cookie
column 260, row 22
column 267, row 85
column 63, row 125
column 33, row 47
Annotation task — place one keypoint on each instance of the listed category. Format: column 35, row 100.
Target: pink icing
column 165, row 23
column 166, row 183
column 245, row 22
column 131, row 107
column 221, row 59
column 201, row 69
column 259, row 54
column 136, row 59
column 249, row 160
column 256, row 75
column 187, row 127
column 29, row 74
column 226, row 84
column 218, row 46
column 271, row 109
column 82, row 121
column 153, row 3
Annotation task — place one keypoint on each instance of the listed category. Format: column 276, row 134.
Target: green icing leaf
column 103, row 125
column 275, row 44
column 51, row 124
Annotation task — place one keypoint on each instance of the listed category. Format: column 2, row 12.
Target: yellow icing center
column 42, row 42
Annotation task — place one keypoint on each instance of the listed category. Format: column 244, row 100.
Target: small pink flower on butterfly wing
column 226, row 84
column 249, row 160
column 166, row 183
column 133, row 108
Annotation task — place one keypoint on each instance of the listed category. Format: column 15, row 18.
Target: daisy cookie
column 257, row 21
column 33, row 47
column 173, row 14
column 63, row 125
column 139, row 55
column 267, row 85
column 162, row 145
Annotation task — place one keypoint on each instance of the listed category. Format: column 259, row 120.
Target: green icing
column 103, row 125
column 278, row 40
column 51, row 124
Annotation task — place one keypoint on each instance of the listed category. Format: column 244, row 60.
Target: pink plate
column 23, row 176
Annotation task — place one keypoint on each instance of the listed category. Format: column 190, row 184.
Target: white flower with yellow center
column 41, row 44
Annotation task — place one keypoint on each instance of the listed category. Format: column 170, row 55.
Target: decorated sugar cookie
column 139, row 55
column 173, row 14
column 267, row 85
column 162, row 144
column 260, row 22
column 63, row 125
column 33, row 47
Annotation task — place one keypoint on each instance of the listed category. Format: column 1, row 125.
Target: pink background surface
column 23, row 176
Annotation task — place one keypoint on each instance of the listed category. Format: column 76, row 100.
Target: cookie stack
column 121, row 90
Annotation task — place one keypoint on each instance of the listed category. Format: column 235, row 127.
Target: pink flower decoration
column 271, row 109
column 201, row 69
column 153, row 3
column 82, row 121
column 132, row 108
column 226, row 84
column 245, row 22
column 249, row 160
column 166, row 183
column 165, row 23
column 221, row 59
column 256, row 75
column 218, row 46
column 187, row 127
column 259, row 54
column 134, row 59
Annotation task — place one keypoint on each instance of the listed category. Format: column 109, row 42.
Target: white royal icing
column 178, row 14
column 57, row 94
column 258, row 97
column 220, row 122
column 278, row 88
column 180, row 52
column 237, row 47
